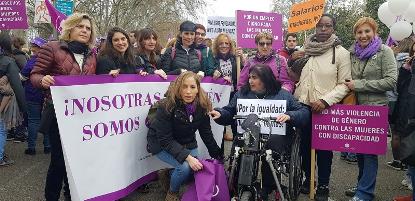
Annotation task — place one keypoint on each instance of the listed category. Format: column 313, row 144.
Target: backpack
column 173, row 54
column 151, row 115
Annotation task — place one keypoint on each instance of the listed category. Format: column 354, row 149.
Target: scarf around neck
column 77, row 47
column 224, row 57
column 369, row 50
column 261, row 58
column 314, row 48
column 190, row 110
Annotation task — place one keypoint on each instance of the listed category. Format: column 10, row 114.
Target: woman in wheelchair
column 262, row 84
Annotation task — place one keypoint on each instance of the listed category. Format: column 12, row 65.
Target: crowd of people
column 311, row 78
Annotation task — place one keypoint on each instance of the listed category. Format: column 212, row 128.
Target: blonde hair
column 173, row 93
column 366, row 20
column 69, row 23
column 265, row 35
column 216, row 44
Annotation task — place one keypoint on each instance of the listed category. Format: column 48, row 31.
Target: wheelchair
column 247, row 156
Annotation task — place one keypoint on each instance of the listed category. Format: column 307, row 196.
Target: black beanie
column 187, row 26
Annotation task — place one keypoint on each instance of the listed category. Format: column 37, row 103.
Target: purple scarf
column 190, row 110
column 369, row 50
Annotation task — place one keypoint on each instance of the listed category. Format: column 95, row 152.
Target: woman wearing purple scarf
column 373, row 73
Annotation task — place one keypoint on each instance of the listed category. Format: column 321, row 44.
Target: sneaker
column 397, row 165
column 46, row 150
column 10, row 137
column 322, row 193
column 351, row 191
column 5, row 162
column 19, row 139
column 403, row 198
column 30, row 151
column 356, row 199
column 351, row 160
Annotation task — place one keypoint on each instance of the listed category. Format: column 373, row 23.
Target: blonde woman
column 70, row 56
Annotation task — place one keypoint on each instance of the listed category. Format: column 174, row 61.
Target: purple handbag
column 210, row 183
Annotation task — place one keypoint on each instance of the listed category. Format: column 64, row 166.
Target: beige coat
column 320, row 79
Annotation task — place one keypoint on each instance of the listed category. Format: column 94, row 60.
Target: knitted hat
column 187, row 26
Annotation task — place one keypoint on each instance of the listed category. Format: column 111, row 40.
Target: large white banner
column 102, row 126
column 219, row 24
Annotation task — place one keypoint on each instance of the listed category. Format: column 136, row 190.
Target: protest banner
column 103, row 133
column 13, row 14
column 65, row 6
column 249, row 24
column 55, row 15
column 351, row 128
column 262, row 108
column 305, row 15
column 219, row 24
column 41, row 12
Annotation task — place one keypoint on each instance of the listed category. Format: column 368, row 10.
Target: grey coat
column 374, row 77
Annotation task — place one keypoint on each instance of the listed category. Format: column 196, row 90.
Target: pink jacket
column 271, row 61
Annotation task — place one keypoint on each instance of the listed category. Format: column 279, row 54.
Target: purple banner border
column 127, row 190
column 102, row 79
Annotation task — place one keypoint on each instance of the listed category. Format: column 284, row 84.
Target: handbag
column 210, row 183
column 349, row 99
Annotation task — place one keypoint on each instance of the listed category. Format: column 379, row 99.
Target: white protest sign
column 263, row 108
column 102, row 128
column 41, row 12
column 219, row 24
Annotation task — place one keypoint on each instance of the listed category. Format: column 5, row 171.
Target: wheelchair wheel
column 246, row 196
column 295, row 171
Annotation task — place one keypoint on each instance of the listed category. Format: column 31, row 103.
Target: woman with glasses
column 321, row 85
column 266, row 55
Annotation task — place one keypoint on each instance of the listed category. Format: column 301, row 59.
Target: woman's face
column 224, row 45
column 81, row 32
column 364, row 35
column 188, row 37
column 255, row 83
column 150, row 43
column 120, row 42
column 264, row 46
column 324, row 29
column 189, row 90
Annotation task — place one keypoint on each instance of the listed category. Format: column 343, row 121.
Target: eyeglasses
column 321, row 26
column 200, row 34
column 262, row 44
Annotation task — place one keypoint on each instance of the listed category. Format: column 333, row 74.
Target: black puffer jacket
column 189, row 60
column 105, row 64
column 9, row 68
column 148, row 67
column 174, row 133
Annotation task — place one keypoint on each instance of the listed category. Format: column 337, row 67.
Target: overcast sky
column 228, row 7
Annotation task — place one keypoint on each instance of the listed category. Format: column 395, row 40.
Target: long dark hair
column 264, row 72
column 111, row 52
column 145, row 34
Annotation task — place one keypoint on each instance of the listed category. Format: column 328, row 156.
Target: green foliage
column 371, row 9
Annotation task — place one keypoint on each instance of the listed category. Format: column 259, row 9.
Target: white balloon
column 400, row 30
column 385, row 15
column 409, row 14
column 398, row 7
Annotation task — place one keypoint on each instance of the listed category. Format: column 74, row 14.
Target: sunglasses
column 262, row 44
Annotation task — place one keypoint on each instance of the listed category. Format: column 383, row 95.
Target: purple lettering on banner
column 127, row 190
column 249, row 23
column 13, row 14
column 104, row 129
column 93, row 101
column 351, row 128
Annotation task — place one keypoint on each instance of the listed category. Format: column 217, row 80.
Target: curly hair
column 218, row 39
column 173, row 94
column 69, row 23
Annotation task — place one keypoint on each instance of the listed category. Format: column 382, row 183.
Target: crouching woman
column 172, row 134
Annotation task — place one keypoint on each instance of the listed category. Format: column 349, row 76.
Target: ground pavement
column 25, row 180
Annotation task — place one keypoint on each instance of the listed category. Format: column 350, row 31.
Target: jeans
column 34, row 111
column 181, row 172
column 324, row 158
column 368, row 170
column 57, row 171
column 3, row 136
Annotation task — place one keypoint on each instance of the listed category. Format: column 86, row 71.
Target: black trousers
column 57, row 171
